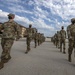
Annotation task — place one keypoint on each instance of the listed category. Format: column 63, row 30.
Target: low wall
column 49, row 40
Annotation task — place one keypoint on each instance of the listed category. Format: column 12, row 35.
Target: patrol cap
column 73, row 20
column 30, row 25
column 11, row 15
column 57, row 31
column 0, row 22
column 62, row 27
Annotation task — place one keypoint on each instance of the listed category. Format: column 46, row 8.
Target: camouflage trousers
column 62, row 43
column 54, row 42
column 28, row 40
column 6, row 44
column 57, row 43
column 35, row 41
column 38, row 42
column 71, row 46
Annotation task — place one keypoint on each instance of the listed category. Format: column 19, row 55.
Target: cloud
column 17, row 18
column 37, row 23
column 13, row 1
column 43, row 14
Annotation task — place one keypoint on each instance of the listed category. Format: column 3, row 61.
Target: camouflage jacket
column 63, row 34
column 36, row 36
column 10, row 30
column 72, row 30
column 29, row 32
column 68, row 31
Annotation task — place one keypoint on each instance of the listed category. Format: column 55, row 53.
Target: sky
column 46, row 15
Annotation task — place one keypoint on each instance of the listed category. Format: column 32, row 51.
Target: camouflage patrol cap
column 0, row 22
column 62, row 27
column 30, row 25
column 11, row 15
column 73, row 20
column 57, row 31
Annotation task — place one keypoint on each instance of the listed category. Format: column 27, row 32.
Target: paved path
column 43, row 60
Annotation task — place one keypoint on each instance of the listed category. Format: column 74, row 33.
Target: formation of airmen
column 59, row 39
column 32, row 34
column 11, row 30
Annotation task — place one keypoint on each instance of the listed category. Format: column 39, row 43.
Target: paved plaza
column 46, row 59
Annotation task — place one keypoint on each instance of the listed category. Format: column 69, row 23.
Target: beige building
column 23, row 31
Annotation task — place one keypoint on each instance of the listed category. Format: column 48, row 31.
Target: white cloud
column 13, row 1
column 19, row 10
column 64, row 9
column 17, row 18
column 30, row 2
column 3, row 14
column 38, row 23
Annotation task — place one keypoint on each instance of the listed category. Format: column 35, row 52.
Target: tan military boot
column 1, row 65
column 60, row 49
column 5, row 60
column 26, row 52
column 64, row 52
column 69, row 58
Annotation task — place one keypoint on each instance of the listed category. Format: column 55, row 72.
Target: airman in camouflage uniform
column 62, row 39
column 54, row 39
column 71, row 38
column 1, row 29
column 29, row 38
column 38, row 39
column 35, row 39
column 57, row 39
column 43, row 38
column 58, row 34
column 8, row 36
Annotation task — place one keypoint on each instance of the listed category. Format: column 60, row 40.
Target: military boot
column 1, row 65
column 69, row 57
column 26, row 52
column 35, row 47
column 60, row 49
column 5, row 60
column 64, row 51
column 9, row 57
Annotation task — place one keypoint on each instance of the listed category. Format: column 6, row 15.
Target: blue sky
column 46, row 15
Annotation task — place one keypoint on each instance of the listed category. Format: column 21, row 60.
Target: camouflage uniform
column 8, row 36
column 57, row 39
column 0, row 30
column 58, row 33
column 38, row 39
column 71, row 38
column 62, row 39
column 43, row 38
column 29, row 38
column 35, row 39
column 54, row 39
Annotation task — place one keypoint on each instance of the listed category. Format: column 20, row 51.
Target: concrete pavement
column 46, row 59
